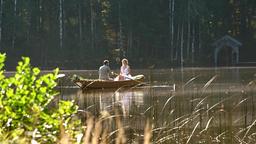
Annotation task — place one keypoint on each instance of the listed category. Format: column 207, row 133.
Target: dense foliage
column 163, row 32
column 25, row 114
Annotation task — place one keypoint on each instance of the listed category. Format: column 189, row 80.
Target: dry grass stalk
column 97, row 132
column 166, row 103
column 217, row 138
column 147, row 133
column 192, row 79
column 164, row 139
column 89, row 127
column 120, row 138
column 64, row 137
column 106, row 120
column 208, row 83
column 207, row 125
column 104, row 137
column 192, row 132
column 241, row 102
column 249, row 128
column 147, row 109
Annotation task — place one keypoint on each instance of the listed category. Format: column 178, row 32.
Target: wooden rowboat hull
column 108, row 84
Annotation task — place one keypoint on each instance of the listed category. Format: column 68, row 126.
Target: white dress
column 125, row 71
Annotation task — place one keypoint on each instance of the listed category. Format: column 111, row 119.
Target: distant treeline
column 79, row 34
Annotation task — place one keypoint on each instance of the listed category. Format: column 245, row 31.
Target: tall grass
column 204, row 115
column 230, row 119
column 104, row 130
column 188, row 115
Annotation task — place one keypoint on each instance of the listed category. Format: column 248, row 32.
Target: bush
column 24, row 112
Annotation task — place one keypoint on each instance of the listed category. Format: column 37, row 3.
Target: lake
column 190, row 105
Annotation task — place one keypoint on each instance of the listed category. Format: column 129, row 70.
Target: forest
column 80, row 34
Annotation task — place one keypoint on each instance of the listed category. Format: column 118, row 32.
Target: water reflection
column 99, row 100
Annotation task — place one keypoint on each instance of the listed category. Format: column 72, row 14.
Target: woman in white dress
column 124, row 71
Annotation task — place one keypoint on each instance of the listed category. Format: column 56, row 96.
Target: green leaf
column 2, row 59
column 36, row 71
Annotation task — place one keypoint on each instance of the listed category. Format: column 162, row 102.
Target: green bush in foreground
column 24, row 112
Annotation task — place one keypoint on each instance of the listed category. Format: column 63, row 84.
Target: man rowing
column 104, row 71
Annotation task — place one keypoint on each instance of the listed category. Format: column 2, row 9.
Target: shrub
column 24, row 106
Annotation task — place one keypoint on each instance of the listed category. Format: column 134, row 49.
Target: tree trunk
column 80, row 19
column 44, row 49
column 120, row 41
column 61, row 24
column 14, row 25
column 29, row 23
column 193, row 46
column 171, row 23
column 188, row 34
column 130, row 40
column 199, row 39
column 1, row 21
column 92, row 25
column 181, row 46
column 40, row 16
column 177, row 44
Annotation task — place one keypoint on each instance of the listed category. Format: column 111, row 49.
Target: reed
column 207, row 120
column 100, row 131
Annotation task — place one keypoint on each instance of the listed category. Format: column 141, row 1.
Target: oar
column 60, row 75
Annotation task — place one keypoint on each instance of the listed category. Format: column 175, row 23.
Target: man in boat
column 104, row 71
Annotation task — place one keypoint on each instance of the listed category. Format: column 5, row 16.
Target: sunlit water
column 220, row 98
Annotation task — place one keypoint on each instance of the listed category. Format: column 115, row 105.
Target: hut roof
column 227, row 41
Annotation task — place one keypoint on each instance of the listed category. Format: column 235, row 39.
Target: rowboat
column 108, row 84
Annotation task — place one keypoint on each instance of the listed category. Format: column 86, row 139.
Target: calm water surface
column 222, row 99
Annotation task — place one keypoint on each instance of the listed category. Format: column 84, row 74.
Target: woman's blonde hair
column 125, row 61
